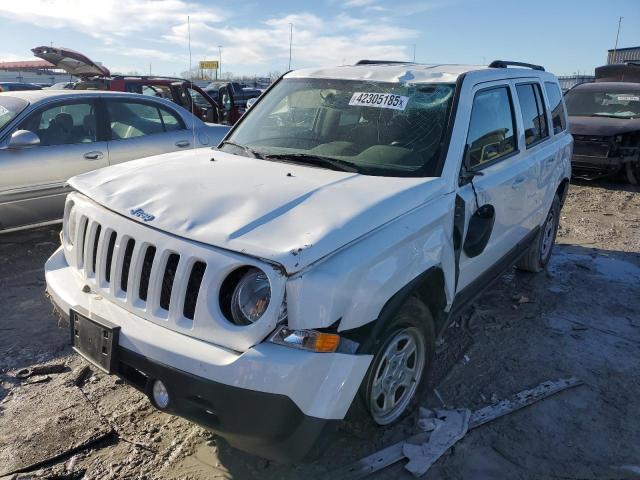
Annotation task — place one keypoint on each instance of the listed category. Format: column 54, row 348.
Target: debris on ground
column 423, row 449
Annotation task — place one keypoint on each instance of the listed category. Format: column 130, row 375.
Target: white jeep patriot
column 311, row 261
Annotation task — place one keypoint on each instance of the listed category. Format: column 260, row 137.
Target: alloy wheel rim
column 397, row 375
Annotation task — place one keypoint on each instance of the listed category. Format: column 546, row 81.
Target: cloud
column 105, row 19
column 315, row 40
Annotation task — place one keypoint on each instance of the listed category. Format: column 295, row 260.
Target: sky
column 566, row 36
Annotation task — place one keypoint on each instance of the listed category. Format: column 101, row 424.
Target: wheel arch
column 563, row 190
column 429, row 287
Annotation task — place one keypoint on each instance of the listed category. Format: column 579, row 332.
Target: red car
column 94, row 76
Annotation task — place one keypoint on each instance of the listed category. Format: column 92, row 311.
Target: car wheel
column 539, row 253
column 400, row 363
column 633, row 172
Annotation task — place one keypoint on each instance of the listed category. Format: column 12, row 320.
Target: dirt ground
column 579, row 318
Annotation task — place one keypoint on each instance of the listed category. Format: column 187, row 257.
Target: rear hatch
column 71, row 62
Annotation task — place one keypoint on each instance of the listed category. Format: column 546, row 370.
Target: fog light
column 160, row 395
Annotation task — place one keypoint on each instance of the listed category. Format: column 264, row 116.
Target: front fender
column 355, row 283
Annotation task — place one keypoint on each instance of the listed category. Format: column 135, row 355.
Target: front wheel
column 633, row 172
column 539, row 253
column 400, row 362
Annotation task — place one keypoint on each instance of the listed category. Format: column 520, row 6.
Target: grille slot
column 147, row 263
column 193, row 288
column 110, row 247
column 126, row 264
column 83, row 239
column 167, row 280
column 96, row 238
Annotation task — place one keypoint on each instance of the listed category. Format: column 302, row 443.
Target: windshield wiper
column 249, row 150
column 609, row 115
column 317, row 160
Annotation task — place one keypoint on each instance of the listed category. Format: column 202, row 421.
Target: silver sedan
column 48, row 136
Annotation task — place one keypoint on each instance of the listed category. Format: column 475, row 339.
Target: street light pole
column 613, row 57
column 220, row 60
column 290, row 42
column 414, row 53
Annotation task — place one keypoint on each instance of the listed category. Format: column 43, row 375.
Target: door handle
column 518, row 181
column 182, row 143
column 93, row 155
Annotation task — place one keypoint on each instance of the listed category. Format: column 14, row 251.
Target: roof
column 623, row 49
column 32, row 96
column 410, row 72
column 613, row 87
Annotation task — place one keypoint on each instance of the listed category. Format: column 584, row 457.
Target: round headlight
column 72, row 225
column 250, row 297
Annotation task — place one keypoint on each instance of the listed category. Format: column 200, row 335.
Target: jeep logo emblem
column 141, row 214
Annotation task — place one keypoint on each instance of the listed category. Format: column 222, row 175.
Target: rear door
column 140, row 128
column 33, row 180
column 539, row 147
column 498, row 199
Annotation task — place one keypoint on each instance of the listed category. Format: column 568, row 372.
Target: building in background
column 32, row 71
column 623, row 55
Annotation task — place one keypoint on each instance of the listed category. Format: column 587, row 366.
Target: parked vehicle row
column 48, row 136
column 306, row 267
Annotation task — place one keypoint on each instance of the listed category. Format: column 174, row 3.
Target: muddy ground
column 580, row 318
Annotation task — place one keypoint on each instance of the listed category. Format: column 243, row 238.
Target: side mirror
column 23, row 139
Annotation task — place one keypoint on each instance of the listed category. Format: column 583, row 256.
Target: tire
column 538, row 254
column 633, row 172
column 396, row 375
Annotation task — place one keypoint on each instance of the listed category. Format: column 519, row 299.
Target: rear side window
column 491, row 129
column 135, row 119
column 533, row 113
column 557, row 107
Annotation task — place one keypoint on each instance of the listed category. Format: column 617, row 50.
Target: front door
column 501, row 197
column 33, row 180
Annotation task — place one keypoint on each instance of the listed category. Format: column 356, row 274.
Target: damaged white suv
column 311, row 261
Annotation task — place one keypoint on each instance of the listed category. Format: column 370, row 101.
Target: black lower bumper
column 266, row 424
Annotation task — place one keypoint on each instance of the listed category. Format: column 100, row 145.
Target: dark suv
column 604, row 118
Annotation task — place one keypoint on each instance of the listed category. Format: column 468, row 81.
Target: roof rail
column 507, row 63
column 150, row 77
column 379, row 62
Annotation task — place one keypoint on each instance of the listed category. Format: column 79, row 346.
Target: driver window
column 63, row 124
column 491, row 129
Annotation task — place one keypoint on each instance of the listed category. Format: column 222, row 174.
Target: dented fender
column 355, row 283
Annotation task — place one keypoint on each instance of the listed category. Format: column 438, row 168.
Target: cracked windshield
column 385, row 129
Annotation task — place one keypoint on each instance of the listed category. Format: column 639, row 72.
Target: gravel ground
column 580, row 318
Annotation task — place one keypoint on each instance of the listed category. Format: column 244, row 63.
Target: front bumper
column 270, row 400
column 601, row 157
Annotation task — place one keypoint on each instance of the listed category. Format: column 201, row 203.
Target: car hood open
column 290, row 214
column 602, row 126
column 71, row 61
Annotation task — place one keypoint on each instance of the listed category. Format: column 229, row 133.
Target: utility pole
column 220, row 60
column 613, row 57
column 290, row 42
column 414, row 53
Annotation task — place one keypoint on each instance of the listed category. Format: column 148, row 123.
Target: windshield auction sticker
column 379, row 100
column 628, row 98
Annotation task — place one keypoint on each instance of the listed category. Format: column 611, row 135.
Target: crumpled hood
column 602, row 126
column 290, row 214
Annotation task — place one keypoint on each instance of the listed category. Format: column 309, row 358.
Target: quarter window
column 63, row 124
column 533, row 113
column 135, row 119
column 557, row 107
column 491, row 129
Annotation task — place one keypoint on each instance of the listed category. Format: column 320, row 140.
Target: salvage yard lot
column 581, row 318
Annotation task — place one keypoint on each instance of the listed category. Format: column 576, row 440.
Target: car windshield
column 10, row 108
column 374, row 128
column 592, row 103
